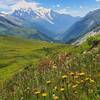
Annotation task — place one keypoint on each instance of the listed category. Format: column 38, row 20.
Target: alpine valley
column 44, row 24
column 49, row 50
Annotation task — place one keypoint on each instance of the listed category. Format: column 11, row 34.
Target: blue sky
column 73, row 7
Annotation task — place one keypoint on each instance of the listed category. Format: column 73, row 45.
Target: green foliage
column 91, row 39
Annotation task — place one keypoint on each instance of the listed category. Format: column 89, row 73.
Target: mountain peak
column 37, row 14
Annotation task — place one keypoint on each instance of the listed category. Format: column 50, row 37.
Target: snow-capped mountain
column 45, row 20
column 13, row 26
column 33, row 14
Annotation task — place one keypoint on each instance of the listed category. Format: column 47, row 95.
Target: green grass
column 16, row 53
column 26, row 67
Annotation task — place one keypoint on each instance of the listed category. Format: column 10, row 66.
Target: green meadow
column 15, row 53
column 37, row 70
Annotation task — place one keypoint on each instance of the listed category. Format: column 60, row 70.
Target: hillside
column 14, row 27
column 93, row 32
column 82, row 27
column 41, row 70
column 15, row 53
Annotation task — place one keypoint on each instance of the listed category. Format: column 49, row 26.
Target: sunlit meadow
column 72, row 75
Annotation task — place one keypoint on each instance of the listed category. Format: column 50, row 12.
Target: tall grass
column 64, row 76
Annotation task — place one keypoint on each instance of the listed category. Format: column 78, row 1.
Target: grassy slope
column 15, row 53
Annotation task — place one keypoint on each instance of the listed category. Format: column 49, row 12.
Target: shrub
column 91, row 40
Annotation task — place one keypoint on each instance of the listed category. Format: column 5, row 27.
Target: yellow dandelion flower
column 44, row 94
column 81, row 74
column 55, row 98
column 48, row 82
column 64, row 76
column 62, row 89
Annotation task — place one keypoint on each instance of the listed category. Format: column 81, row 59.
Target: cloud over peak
column 11, row 5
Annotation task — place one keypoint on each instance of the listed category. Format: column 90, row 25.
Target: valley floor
column 35, row 70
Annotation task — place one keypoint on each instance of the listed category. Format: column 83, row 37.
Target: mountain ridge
column 9, row 26
column 82, row 27
column 49, row 22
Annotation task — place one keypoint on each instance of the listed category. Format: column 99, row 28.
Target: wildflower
column 48, row 82
column 82, row 81
column 22, row 98
column 76, row 76
column 64, row 76
column 84, row 52
column 74, row 86
column 75, row 92
column 77, row 82
column 62, row 89
column 37, row 92
column 71, row 73
column 55, row 88
column 81, row 74
column 44, row 94
column 53, row 94
column 25, row 90
column 86, row 79
column 90, row 91
column 55, row 97
column 54, row 66
column 92, row 81
column 28, row 88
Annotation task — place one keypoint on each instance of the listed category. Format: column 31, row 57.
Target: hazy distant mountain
column 49, row 25
column 82, row 27
column 12, row 26
column 47, row 21
column 94, row 32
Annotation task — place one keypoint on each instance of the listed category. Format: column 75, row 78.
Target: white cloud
column 8, row 7
column 81, row 7
column 5, row 5
column 33, row 5
column 98, row 0
column 72, row 12
column 24, row 4
column 9, row 2
column 58, row 5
